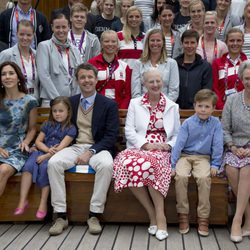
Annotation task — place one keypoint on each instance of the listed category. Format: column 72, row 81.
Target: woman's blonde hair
column 126, row 29
column 108, row 32
column 196, row 2
column 146, row 51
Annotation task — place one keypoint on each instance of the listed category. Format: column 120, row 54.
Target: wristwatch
column 92, row 151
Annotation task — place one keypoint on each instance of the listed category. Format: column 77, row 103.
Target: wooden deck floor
column 113, row 236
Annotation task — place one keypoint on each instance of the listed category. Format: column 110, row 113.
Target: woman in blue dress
column 17, row 121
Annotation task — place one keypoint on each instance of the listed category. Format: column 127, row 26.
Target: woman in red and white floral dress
column 151, row 129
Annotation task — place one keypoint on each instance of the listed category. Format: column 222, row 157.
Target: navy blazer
column 105, row 122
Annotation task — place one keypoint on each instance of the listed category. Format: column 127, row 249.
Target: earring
column 2, row 86
column 19, row 84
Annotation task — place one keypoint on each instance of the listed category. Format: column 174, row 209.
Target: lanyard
column 33, row 66
column 221, row 27
column 70, row 69
column 204, row 51
column 31, row 16
column 74, row 41
column 226, row 75
column 111, row 69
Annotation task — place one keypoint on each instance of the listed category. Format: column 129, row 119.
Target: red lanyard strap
column 226, row 75
column 70, row 69
column 221, row 27
column 32, row 57
column 204, row 51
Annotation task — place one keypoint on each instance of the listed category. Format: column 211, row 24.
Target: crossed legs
column 239, row 181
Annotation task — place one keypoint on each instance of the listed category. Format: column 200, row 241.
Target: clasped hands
column 241, row 152
column 156, row 146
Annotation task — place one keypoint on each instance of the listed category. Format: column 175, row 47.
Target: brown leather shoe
column 203, row 224
column 183, row 223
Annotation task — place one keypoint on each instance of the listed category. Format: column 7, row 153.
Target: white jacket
column 138, row 118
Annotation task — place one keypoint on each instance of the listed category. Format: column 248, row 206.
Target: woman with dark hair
column 24, row 56
column 166, row 17
column 153, row 21
column 56, row 61
column 17, row 121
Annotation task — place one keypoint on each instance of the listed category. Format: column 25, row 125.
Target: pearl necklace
column 243, row 102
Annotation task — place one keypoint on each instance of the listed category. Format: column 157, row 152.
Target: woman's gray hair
column 151, row 70
column 243, row 66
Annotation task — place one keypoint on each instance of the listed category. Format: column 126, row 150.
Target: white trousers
column 101, row 162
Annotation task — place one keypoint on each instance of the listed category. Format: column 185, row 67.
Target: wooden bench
column 121, row 207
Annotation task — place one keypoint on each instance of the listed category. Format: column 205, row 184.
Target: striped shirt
column 246, row 45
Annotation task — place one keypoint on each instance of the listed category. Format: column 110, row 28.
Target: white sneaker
column 161, row 234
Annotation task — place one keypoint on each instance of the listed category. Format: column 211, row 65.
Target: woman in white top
column 209, row 47
column 57, row 60
column 87, row 43
column 155, row 55
column 24, row 56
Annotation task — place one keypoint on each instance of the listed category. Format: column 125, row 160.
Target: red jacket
column 118, row 86
column 223, row 66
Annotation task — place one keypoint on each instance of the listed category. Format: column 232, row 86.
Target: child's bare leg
column 44, row 199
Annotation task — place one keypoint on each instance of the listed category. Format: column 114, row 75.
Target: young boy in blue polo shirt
column 198, row 152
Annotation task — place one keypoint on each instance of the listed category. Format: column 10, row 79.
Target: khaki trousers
column 101, row 162
column 199, row 167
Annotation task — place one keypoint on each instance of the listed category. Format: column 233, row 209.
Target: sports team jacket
column 224, row 73
column 117, row 86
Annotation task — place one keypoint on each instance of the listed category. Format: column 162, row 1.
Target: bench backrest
column 121, row 143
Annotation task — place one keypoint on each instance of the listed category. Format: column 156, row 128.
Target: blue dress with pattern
column 14, row 119
column 54, row 134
